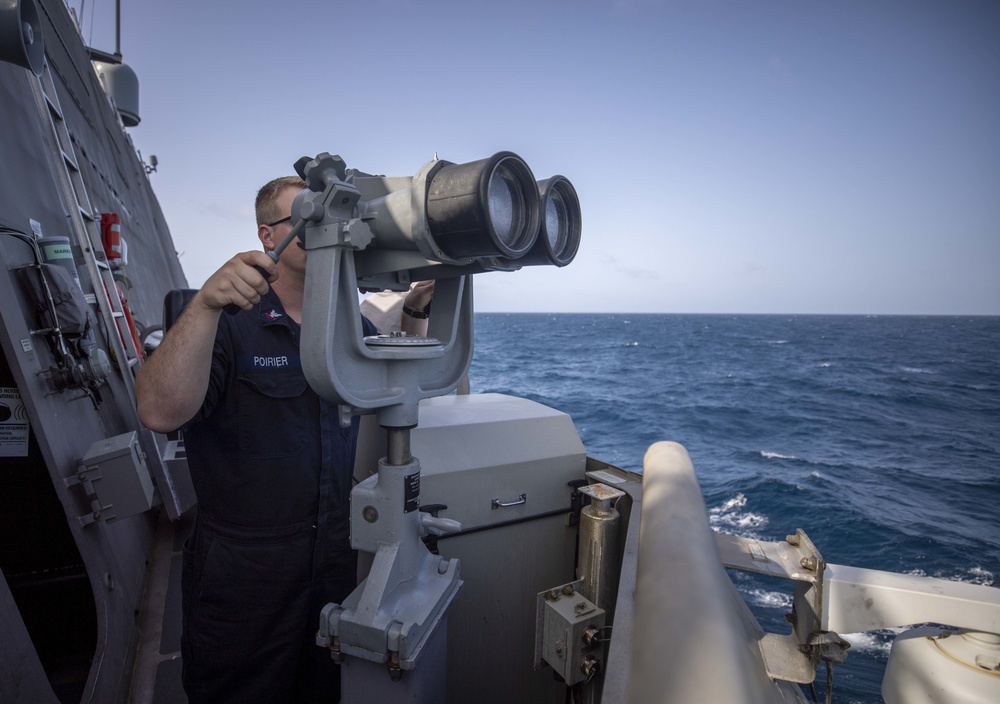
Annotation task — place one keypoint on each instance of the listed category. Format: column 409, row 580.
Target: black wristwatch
column 417, row 314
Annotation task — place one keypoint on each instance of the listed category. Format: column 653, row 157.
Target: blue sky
column 730, row 157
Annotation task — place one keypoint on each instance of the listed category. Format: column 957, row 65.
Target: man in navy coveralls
column 272, row 470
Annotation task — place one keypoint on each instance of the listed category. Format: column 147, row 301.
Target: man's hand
column 419, row 300
column 420, row 296
column 238, row 282
column 172, row 384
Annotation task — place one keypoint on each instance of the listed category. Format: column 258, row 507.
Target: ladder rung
column 70, row 161
column 86, row 214
column 53, row 108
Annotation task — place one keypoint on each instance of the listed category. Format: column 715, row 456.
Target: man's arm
column 418, row 299
column 172, row 384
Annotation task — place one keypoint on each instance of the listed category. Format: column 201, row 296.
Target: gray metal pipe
column 398, row 452
column 598, row 557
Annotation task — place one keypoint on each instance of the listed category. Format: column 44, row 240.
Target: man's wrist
column 417, row 314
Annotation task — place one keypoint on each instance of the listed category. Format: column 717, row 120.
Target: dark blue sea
column 877, row 435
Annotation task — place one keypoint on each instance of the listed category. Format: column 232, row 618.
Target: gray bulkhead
column 70, row 588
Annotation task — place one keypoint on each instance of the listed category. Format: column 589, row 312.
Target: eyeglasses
column 278, row 222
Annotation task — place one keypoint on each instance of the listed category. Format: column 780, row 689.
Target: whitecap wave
column 731, row 515
column 825, row 365
column 768, row 455
column 738, row 501
column 743, row 522
column 769, row 599
column 970, row 575
column 874, row 642
column 917, row 370
column 776, row 456
column 978, row 575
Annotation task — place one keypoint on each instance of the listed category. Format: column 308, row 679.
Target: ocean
column 877, row 435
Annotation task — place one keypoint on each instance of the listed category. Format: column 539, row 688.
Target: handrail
column 690, row 643
column 864, row 600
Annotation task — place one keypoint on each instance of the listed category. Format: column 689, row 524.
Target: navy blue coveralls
column 272, row 470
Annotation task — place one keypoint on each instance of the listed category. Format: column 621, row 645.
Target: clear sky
column 773, row 156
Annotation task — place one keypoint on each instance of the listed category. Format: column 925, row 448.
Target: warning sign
column 13, row 424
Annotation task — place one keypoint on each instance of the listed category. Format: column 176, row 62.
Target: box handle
column 497, row 503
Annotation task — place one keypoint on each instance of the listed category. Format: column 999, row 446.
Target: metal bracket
column 85, row 477
column 795, row 656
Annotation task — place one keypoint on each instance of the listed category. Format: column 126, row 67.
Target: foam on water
column 769, row 599
column 776, row 456
column 978, row 575
column 872, row 642
column 731, row 515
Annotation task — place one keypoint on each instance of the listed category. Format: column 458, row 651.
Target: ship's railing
column 861, row 599
column 691, row 640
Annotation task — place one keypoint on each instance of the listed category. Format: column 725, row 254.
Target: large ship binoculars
column 447, row 220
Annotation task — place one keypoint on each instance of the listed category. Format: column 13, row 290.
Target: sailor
column 272, row 470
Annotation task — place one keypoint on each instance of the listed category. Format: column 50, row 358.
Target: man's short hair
column 266, row 204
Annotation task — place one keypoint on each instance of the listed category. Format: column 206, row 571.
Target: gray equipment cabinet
column 502, row 466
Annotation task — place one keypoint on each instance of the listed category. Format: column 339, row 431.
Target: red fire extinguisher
column 111, row 237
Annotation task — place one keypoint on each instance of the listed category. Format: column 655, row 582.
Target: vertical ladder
column 86, row 226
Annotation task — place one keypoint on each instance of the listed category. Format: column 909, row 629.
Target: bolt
column 335, row 653
column 370, row 514
column 552, row 595
column 808, row 563
column 568, row 590
column 443, row 566
column 792, row 539
column 560, row 648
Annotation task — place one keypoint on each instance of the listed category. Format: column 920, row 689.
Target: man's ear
column 266, row 236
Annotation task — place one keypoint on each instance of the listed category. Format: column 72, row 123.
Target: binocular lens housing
column 562, row 224
column 485, row 208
